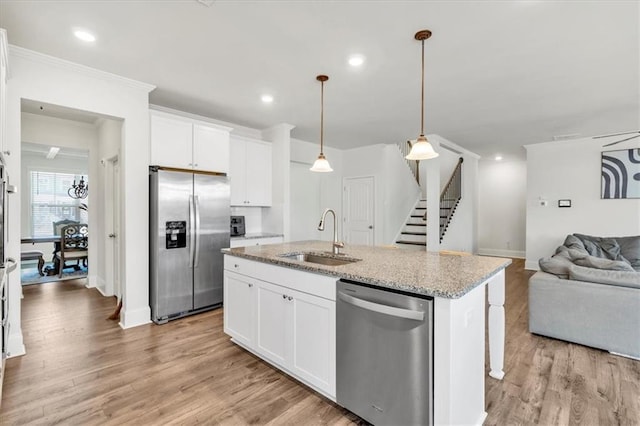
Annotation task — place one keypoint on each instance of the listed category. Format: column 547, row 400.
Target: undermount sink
column 319, row 258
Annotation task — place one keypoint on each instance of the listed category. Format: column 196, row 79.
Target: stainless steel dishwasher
column 384, row 355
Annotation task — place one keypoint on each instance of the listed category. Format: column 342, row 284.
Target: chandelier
column 80, row 190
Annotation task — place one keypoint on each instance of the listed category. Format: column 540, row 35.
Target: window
column 50, row 201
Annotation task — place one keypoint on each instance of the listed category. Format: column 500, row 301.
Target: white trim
column 518, row 254
column 77, row 68
column 15, row 341
column 199, row 119
column 5, row 51
column 129, row 318
column 454, row 147
column 531, row 265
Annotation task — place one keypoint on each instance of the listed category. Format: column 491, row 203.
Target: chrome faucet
column 337, row 245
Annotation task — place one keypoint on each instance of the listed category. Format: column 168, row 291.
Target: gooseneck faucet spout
column 337, row 245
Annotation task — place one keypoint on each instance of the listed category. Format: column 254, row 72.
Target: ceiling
column 498, row 74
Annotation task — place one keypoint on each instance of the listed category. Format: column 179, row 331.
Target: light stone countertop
column 251, row 236
column 419, row 272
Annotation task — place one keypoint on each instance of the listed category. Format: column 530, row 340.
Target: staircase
column 414, row 232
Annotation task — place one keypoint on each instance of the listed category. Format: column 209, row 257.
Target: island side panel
column 458, row 359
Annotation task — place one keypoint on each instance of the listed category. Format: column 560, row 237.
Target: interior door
column 212, row 212
column 358, row 207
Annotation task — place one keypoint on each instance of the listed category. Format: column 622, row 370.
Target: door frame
column 113, row 223
column 373, row 202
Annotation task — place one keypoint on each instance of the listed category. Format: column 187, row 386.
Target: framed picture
column 621, row 174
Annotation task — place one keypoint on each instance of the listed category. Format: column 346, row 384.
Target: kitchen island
column 283, row 310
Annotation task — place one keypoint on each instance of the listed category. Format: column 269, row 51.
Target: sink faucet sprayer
column 337, row 245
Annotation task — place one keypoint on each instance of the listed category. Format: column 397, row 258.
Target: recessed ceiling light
column 267, row 99
column 356, row 60
column 498, row 157
column 84, row 36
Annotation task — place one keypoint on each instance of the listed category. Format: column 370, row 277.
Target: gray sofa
column 589, row 293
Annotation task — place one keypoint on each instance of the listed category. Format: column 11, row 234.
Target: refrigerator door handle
column 196, row 203
column 192, row 231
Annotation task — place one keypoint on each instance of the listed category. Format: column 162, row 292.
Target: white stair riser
column 420, row 238
column 410, row 247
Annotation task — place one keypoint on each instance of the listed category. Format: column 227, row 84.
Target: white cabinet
column 246, row 242
column 292, row 329
column 187, row 144
column 250, row 172
column 239, row 308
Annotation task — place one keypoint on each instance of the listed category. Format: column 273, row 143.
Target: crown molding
column 77, row 68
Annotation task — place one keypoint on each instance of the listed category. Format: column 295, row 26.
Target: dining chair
column 74, row 245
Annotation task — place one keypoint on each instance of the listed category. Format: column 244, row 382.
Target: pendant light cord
column 422, row 95
column 321, row 116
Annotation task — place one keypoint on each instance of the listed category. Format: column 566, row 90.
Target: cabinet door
column 314, row 336
column 258, row 167
column 210, row 149
column 239, row 308
column 273, row 329
column 171, row 142
column 237, row 172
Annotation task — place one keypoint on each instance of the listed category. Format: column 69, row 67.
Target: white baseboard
column 15, row 345
column 133, row 318
column 531, row 265
column 517, row 254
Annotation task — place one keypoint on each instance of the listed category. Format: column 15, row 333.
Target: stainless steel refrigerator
column 189, row 225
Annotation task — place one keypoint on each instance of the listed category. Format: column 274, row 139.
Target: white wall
column 399, row 191
column 502, row 208
column 314, row 192
column 571, row 170
column 43, row 78
column 462, row 234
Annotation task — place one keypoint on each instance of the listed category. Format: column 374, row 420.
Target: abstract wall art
column 621, row 174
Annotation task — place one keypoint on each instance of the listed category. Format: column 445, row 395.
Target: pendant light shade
column 421, row 149
column 321, row 164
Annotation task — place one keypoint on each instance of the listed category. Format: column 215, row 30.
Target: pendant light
column 421, row 149
column 321, row 164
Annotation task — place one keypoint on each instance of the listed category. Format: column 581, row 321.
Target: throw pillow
column 630, row 249
column 617, row 278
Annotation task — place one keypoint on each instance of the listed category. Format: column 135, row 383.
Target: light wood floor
column 83, row 369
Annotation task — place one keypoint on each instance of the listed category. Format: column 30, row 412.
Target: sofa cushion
column 630, row 249
column 606, row 247
column 557, row 265
column 601, row 263
column 617, row 278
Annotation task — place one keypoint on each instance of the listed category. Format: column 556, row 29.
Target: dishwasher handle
column 382, row 309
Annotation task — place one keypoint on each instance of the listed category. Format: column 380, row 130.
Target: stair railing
column 450, row 197
column 414, row 166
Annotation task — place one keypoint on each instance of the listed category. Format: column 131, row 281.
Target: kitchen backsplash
column 252, row 218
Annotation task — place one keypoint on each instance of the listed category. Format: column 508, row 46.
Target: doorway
column 358, row 210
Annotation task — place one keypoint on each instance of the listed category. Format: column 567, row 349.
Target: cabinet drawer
column 239, row 265
column 307, row 282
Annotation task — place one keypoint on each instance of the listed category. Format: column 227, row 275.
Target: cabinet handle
column 250, row 285
column 195, row 165
column 190, row 164
column 235, row 265
column 290, row 298
column 284, row 296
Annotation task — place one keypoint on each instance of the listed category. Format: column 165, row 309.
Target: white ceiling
column 499, row 74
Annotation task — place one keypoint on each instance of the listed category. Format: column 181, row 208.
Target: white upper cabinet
column 250, row 172
column 187, row 144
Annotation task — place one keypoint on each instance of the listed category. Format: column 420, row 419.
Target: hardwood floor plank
column 83, row 369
